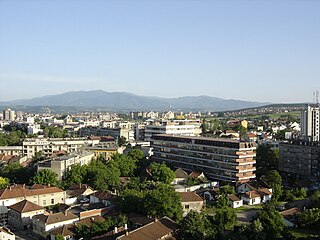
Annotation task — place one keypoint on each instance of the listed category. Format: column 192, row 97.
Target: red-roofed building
column 191, row 201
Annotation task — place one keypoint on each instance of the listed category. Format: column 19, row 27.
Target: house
column 191, row 201
column 6, row 234
column 290, row 216
column 163, row 228
column 66, row 231
column 180, row 176
column 43, row 223
column 38, row 194
column 20, row 214
column 252, row 185
column 102, row 196
column 209, row 194
column 78, row 193
column 257, row 196
column 234, row 201
column 197, row 175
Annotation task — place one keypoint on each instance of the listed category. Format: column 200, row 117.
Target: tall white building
column 310, row 128
column 9, row 115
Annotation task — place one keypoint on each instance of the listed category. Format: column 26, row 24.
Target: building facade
column 310, row 122
column 301, row 159
column 220, row 159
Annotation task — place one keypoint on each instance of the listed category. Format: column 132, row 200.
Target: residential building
column 37, row 194
column 20, row 214
column 191, row 201
column 11, row 150
column 9, row 115
column 220, row 159
column 43, row 223
column 184, row 127
column 106, row 152
column 257, row 196
column 60, row 165
column 234, row 201
column 300, row 159
column 310, row 122
column 163, row 228
column 114, row 132
column 51, row 145
column 6, row 234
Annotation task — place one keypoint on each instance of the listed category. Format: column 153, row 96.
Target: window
column 186, row 206
column 44, row 202
column 52, row 201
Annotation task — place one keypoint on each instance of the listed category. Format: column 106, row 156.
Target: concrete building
column 11, row 150
column 9, row 115
column 183, row 127
column 191, row 201
column 310, row 122
column 220, row 159
column 114, row 132
column 300, row 159
column 62, row 164
column 37, row 194
column 51, row 145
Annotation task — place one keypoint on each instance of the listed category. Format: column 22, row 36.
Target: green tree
column 132, row 200
column 196, row 226
column 46, row 177
column 271, row 221
column 267, row 159
column 309, row 217
column 161, row 173
column 59, row 237
column 122, row 141
column 125, row 164
column 16, row 173
column 38, row 156
column 76, row 174
column 225, row 219
column 163, row 201
column 136, row 154
column 274, row 180
column 3, row 182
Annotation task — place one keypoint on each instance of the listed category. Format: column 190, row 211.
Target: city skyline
column 264, row 51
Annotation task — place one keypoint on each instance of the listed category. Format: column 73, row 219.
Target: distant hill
column 128, row 101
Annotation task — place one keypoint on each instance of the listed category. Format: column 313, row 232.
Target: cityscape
column 149, row 120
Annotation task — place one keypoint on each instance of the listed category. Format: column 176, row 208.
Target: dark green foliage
column 309, row 217
column 59, row 237
column 55, row 132
column 274, row 180
column 161, row 173
column 76, row 174
column 131, row 200
column 163, row 201
column 96, row 229
column 12, row 138
column 225, row 219
column 45, row 177
column 294, row 194
column 122, row 141
column 196, row 226
column 267, row 159
column 125, row 164
column 227, row 189
column 16, row 173
column 271, row 220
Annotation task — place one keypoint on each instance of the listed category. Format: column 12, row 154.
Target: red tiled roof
column 25, row 206
column 56, row 217
column 189, row 197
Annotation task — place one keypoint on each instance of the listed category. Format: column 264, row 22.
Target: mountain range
column 128, row 101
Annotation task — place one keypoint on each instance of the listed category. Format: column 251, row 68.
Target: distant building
column 300, row 159
column 310, row 122
column 220, row 159
column 9, row 115
column 114, row 132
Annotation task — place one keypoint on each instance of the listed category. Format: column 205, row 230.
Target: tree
column 59, row 237
column 101, row 176
column 161, row 173
column 271, row 221
column 46, row 177
column 225, row 219
column 163, row 201
column 196, row 226
column 136, row 154
column 267, row 159
column 125, row 164
column 38, row 156
column 3, row 182
column 309, row 217
column 16, row 173
column 274, row 180
column 76, row 174
column 122, row 141
column 132, row 200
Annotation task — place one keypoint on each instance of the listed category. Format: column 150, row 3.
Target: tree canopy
column 45, row 177
column 161, row 173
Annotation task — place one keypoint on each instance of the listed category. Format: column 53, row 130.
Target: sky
column 266, row 51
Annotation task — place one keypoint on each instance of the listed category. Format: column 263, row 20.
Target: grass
column 304, row 233
column 246, row 208
column 275, row 115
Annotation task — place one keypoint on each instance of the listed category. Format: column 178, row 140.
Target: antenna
column 317, row 97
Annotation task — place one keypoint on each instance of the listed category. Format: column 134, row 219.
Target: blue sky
column 248, row 50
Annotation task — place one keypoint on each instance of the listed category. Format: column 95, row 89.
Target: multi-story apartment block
column 49, row 146
column 310, row 122
column 114, row 132
column 301, row 159
column 183, row 127
column 62, row 164
column 9, row 115
column 220, row 159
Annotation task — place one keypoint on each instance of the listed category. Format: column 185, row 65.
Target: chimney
column 115, row 230
column 24, row 185
column 126, row 227
column 156, row 219
column 127, row 233
column 80, row 185
column 66, row 212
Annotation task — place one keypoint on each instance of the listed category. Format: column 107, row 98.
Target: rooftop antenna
column 317, row 97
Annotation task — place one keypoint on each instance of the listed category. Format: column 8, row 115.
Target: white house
column 6, row 234
column 234, row 201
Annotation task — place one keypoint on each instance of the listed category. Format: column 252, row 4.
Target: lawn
column 304, row 233
column 246, row 208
